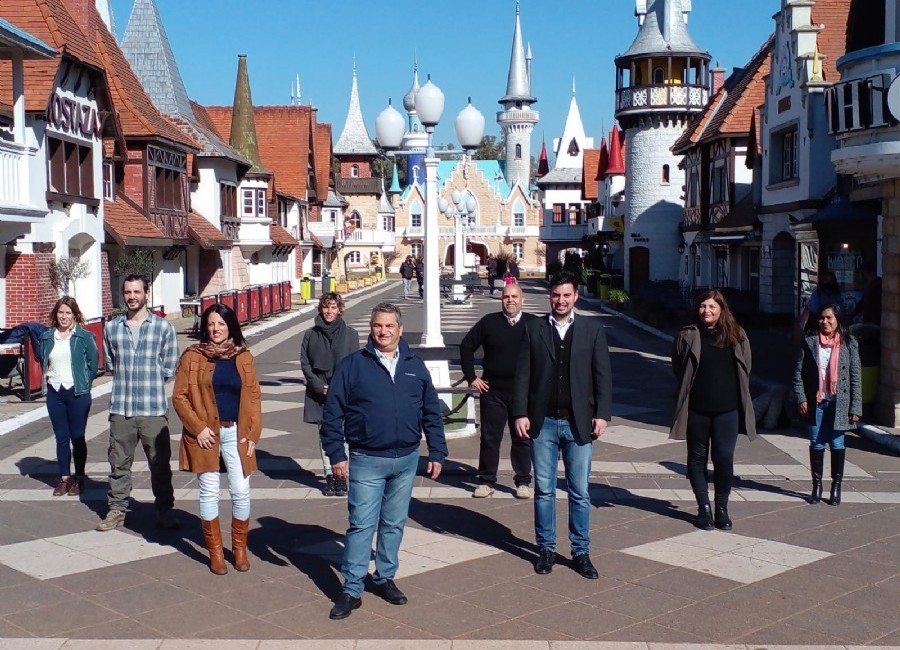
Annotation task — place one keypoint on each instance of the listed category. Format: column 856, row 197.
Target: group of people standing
column 412, row 268
column 547, row 380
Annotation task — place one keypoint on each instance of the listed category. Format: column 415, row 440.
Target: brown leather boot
column 212, row 535
column 239, row 543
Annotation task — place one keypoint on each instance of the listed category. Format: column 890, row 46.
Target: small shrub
column 618, row 297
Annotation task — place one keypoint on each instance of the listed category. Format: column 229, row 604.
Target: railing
column 517, row 231
column 11, row 155
column 414, row 231
column 370, row 236
column 639, row 98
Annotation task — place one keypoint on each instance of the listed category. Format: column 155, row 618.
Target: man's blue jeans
column 380, row 490
column 556, row 436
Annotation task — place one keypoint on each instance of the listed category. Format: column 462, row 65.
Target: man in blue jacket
column 380, row 400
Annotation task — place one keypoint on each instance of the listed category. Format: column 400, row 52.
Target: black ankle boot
column 816, row 462
column 837, row 475
column 723, row 521
column 705, row 517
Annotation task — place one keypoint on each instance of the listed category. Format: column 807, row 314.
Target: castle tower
column 415, row 140
column 662, row 80
column 517, row 119
column 354, row 148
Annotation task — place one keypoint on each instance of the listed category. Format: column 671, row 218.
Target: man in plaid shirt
column 142, row 350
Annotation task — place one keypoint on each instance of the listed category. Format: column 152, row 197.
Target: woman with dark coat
column 711, row 360
column 323, row 348
column 217, row 398
column 827, row 375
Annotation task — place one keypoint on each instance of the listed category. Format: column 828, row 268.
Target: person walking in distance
column 379, row 402
column 69, row 358
column 324, row 346
column 828, row 391
column 711, row 360
column 407, row 272
column 420, row 276
column 217, row 397
column 562, row 402
column 498, row 335
column 491, row 271
column 142, row 350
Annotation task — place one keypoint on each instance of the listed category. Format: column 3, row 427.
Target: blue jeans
column 407, row 285
column 238, row 484
column 823, row 430
column 68, row 416
column 555, row 437
column 380, row 490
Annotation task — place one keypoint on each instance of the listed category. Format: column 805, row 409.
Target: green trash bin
column 868, row 335
column 604, row 283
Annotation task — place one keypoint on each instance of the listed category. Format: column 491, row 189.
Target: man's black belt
column 560, row 413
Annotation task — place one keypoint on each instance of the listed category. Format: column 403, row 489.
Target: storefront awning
column 205, row 234
column 129, row 227
column 842, row 209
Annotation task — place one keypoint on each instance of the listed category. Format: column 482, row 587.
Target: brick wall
column 106, row 287
column 212, row 275
column 134, row 177
column 365, row 168
column 29, row 294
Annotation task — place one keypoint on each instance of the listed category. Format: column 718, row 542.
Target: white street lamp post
column 463, row 215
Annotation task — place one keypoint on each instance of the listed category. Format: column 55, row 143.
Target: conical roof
column 603, row 160
column 518, row 85
column 355, row 138
column 395, row 181
column 384, row 206
column 569, row 148
column 543, row 162
column 663, row 31
column 616, row 165
column 409, row 99
column 243, row 126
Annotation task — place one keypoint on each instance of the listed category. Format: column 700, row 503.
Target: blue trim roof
column 12, row 35
column 490, row 169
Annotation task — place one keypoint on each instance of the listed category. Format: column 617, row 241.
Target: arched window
column 659, row 76
column 518, row 152
column 353, row 220
column 518, row 215
column 354, row 171
column 665, row 175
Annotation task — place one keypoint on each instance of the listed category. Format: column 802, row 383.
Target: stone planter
column 342, row 287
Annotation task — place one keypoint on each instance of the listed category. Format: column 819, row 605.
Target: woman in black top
column 711, row 360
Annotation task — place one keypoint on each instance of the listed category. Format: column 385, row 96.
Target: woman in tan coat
column 711, row 361
column 218, row 400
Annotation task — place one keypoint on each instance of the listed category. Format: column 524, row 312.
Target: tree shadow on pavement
column 314, row 550
column 285, row 468
column 739, row 482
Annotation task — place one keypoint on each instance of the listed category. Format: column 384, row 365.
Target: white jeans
column 238, row 484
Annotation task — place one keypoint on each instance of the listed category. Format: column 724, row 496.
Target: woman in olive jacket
column 711, row 360
column 827, row 375
column 69, row 357
column 217, row 397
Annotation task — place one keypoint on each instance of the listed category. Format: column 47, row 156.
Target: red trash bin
column 254, row 303
column 242, row 299
column 286, row 295
column 265, row 300
column 227, row 298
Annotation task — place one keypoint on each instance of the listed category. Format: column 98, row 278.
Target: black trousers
column 496, row 417
column 716, row 432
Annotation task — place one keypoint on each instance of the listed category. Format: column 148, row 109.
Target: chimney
column 718, row 77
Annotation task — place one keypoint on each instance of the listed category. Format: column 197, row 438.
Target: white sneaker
column 523, row 492
column 482, row 491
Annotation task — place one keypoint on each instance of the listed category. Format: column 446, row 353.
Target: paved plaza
column 789, row 574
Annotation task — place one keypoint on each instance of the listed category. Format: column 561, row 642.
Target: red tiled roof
column 218, row 118
column 589, row 173
column 730, row 110
column 741, row 217
column 50, row 21
column 128, row 227
column 204, row 233
column 281, row 237
column 832, row 40
column 137, row 114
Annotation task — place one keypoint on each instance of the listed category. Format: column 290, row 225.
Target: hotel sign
column 75, row 117
column 865, row 103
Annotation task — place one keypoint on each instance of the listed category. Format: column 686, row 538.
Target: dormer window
column 253, row 203
column 573, row 148
column 354, row 171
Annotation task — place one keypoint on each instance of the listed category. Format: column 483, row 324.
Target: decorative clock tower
column 662, row 80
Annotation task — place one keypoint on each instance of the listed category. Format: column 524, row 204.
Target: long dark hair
column 227, row 314
column 69, row 302
column 728, row 332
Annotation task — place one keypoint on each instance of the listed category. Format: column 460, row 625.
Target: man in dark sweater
column 498, row 335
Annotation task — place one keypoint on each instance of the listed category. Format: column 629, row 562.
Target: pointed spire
column 243, row 125
column 354, row 138
column 104, row 8
column 573, row 85
column 384, row 205
column 616, row 154
column 409, row 99
column 603, row 162
column 663, row 28
column 299, row 102
column 543, row 161
column 147, row 48
column 395, row 181
column 518, row 87
column 817, row 66
column 569, row 149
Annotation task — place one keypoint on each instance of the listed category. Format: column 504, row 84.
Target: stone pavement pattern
column 789, row 574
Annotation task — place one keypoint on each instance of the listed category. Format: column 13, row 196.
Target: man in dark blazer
column 562, row 402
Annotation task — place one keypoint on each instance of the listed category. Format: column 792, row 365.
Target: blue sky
column 463, row 44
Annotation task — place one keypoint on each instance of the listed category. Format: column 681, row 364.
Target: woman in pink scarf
column 828, row 392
